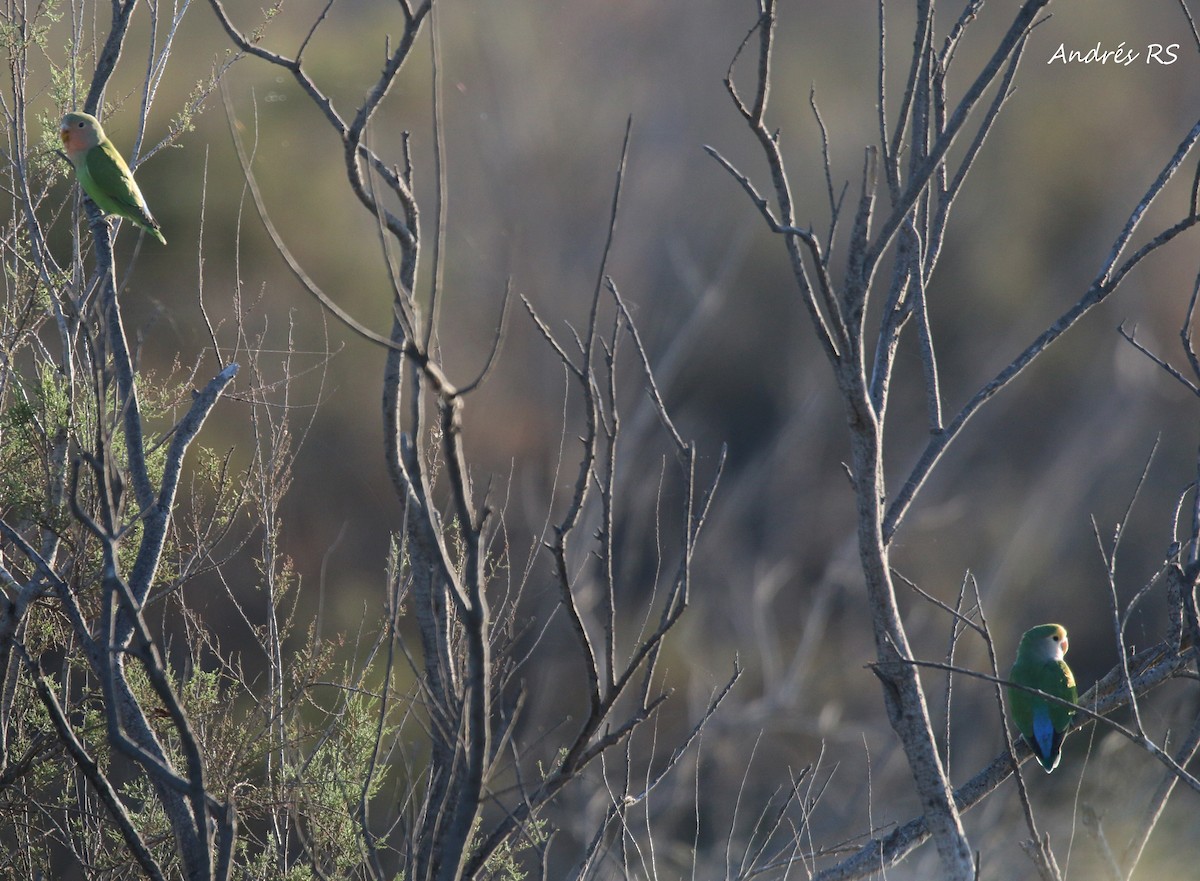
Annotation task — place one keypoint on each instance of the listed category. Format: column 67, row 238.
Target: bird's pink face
column 1059, row 645
column 77, row 135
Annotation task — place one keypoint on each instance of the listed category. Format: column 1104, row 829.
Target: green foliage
column 332, row 778
column 269, row 13
column 147, row 814
column 36, row 417
column 19, row 33
column 505, row 863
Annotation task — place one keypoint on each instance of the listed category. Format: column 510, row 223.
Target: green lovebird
column 1040, row 665
column 103, row 174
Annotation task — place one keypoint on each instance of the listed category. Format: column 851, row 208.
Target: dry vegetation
column 607, row 441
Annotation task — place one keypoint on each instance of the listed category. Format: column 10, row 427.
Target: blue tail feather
column 1046, row 741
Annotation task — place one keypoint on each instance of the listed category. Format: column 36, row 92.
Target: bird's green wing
column 107, row 179
column 1056, row 679
column 1021, row 702
column 114, row 181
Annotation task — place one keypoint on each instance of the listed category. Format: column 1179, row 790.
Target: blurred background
column 536, row 97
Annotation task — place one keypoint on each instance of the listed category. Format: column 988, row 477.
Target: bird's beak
column 64, row 134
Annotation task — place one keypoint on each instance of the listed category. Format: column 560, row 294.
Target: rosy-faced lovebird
column 1040, row 665
column 102, row 172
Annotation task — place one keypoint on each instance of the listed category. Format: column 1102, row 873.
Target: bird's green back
column 1052, row 677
